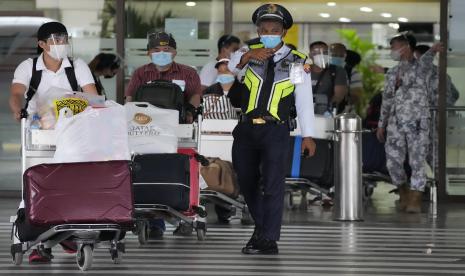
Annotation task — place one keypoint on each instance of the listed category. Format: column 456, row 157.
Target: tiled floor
column 386, row 243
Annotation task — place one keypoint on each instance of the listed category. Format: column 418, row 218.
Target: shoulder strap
column 71, row 74
column 36, row 76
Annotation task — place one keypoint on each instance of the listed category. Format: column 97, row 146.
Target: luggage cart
column 189, row 136
column 37, row 147
column 217, row 141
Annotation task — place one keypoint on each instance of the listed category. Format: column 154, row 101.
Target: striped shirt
column 149, row 72
column 218, row 107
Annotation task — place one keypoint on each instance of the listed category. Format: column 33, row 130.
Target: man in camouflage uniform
column 405, row 113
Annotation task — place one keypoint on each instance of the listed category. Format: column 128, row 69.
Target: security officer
column 405, row 113
column 275, row 79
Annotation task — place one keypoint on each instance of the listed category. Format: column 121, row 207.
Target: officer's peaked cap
column 273, row 11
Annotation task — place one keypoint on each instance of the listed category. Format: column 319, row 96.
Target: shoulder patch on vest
column 256, row 46
column 299, row 54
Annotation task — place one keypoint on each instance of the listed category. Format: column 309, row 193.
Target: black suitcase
column 318, row 168
column 373, row 154
column 163, row 94
column 162, row 179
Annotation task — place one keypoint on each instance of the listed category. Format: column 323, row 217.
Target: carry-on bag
column 87, row 192
column 318, row 168
column 170, row 179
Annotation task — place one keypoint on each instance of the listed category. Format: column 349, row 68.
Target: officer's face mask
column 270, row 41
column 225, row 78
column 337, row 61
column 162, row 58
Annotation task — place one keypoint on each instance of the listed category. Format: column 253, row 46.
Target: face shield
column 320, row 57
column 60, row 46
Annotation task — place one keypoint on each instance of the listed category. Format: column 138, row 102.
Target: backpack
column 163, row 94
column 326, row 99
column 37, row 76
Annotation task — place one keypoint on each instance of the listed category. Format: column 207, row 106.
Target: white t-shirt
column 208, row 73
column 23, row 75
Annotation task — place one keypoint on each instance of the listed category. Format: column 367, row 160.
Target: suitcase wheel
column 201, row 230
column 246, row 217
column 84, row 257
column 289, row 200
column 143, row 230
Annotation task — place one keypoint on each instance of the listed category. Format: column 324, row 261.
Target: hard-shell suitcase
column 170, row 179
column 87, row 192
column 318, row 168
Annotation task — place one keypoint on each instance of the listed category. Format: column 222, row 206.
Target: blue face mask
column 225, row 78
column 162, row 58
column 338, row 61
column 270, row 41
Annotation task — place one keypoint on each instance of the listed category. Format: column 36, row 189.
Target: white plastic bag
column 96, row 134
column 151, row 129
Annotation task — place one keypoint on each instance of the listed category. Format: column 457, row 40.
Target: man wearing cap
column 161, row 49
column 276, row 79
column 53, row 66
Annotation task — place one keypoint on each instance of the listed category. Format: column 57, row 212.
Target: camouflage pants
column 414, row 140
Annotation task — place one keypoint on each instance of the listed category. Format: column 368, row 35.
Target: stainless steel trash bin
column 348, row 205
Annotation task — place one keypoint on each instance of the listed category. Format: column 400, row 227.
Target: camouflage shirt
column 406, row 97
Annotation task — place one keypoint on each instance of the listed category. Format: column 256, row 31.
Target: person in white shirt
column 227, row 44
column 34, row 77
column 54, row 64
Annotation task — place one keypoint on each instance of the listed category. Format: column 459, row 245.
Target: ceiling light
column 344, row 19
column 386, row 15
column 394, row 25
column 402, row 19
column 331, row 4
column 366, row 9
column 191, row 4
column 325, row 15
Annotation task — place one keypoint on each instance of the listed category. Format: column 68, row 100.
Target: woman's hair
column 103, row 61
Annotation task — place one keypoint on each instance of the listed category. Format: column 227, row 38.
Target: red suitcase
column 88, row 192
column 194, row 196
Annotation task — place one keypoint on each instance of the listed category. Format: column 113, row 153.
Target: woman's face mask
column 58, row 52
column 270, row 41
column 225, row 78
column 162, row 58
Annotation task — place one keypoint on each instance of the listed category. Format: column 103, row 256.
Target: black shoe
column 263, row 247
column 156, row 233
column 255, row 237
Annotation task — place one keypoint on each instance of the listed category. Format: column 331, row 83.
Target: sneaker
column 36, row 258
column 69, row 247
column 183, row 230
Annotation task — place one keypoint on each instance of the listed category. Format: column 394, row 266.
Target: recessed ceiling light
column 386, row 15
column 366, row 9
column 325, row 15
column 344, row 19
column 331, row 4
column 394, row 25
column 402, row 19
column 191, row 4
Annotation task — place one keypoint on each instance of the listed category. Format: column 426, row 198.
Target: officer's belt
column 260, row 120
